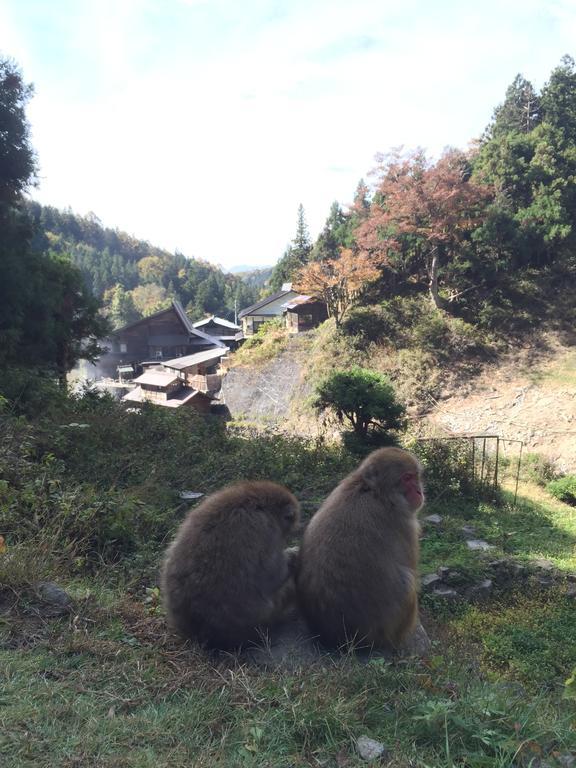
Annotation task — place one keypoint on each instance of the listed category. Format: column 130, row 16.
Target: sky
column 201, row 125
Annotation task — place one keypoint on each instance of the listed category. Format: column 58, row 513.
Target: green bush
column 367, row 324
column 448, row 467
column 538, row 469
column 564, row 489
column 363, row 399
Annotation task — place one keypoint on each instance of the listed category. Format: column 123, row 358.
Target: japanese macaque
column 357, row 580
column 225, row 577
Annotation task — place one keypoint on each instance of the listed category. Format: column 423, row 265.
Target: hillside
column 528, row 394
column 133, row 278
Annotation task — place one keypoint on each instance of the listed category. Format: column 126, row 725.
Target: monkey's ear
column 373, row 476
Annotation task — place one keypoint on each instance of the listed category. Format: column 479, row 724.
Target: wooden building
column 304, row 313
column 223, row 330
column 163, row 387
column 162, row 336
column 200, row 370
column 267, row 309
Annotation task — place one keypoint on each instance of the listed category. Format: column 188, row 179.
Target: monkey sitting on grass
column 225, row 577
column 357, row 580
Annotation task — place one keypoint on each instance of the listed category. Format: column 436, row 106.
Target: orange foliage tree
column 428, row 209
column 337, row 281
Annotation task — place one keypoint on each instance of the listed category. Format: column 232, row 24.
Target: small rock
column 443, row 571
column 418, row 644
column 571, row 577
column 481, row 591
column 566, row 761
column 433, row 519
column 545, row 565
column 429, row 581
column 545, row 581
column 446, row 592
column 56, row 599
column 571, row 591
column 468, row 531
column 479, row 545
column 190, row 495
column 369, row 749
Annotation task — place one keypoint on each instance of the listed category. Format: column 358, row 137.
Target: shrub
column 367, row 324
column 447, row 466
column 564, row 489
column 268, row 341
column 538, row 469
column 363, row 398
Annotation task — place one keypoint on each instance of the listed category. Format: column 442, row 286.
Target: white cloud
column 210, row 148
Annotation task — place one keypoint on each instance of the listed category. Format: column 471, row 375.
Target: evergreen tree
column 48, row 318
column 122, row 308
column 520, row 111
column 301, row 245
column 296, row 255
column 17, row 161
column 559, row 99
column 333, row 237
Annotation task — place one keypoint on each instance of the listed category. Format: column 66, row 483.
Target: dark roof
column 184, row 319
column 262, row 303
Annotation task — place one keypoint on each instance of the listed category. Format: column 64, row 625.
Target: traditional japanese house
column 266, row 309
column 304, row 313
column 200, row 370
column 162, row 336
column 163, row 387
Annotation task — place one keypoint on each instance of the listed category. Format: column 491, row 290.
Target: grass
column 107, row 686
column 80, row 694
column 267, row 343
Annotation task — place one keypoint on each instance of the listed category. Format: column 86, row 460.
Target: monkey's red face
column 412, row 489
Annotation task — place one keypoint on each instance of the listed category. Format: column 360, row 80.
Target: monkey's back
column 218, row 582
column 357, row 562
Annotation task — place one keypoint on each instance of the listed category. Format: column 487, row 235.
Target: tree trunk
column 433, row 283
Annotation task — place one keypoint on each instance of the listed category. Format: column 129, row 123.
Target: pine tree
column 333, row 236
column 520, row 111
column 559, row 98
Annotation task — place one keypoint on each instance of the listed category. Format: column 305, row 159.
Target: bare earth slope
column 531, row 397
column 264, row 393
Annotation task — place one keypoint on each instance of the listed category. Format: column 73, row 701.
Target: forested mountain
column 133, row 278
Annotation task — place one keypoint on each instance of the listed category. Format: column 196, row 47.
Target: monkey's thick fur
column 357, row 578
column 225, row 576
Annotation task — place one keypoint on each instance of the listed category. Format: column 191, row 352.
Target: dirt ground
column 530, row 396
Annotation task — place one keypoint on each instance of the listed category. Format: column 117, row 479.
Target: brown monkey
column 226, row 576
column 357, row 580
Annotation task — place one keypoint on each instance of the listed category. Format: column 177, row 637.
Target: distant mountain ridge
column 238, row 268
column 133, row 278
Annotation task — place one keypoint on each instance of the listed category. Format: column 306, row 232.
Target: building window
column 123, row 348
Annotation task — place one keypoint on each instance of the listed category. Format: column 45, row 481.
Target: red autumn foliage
column 436, row 205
